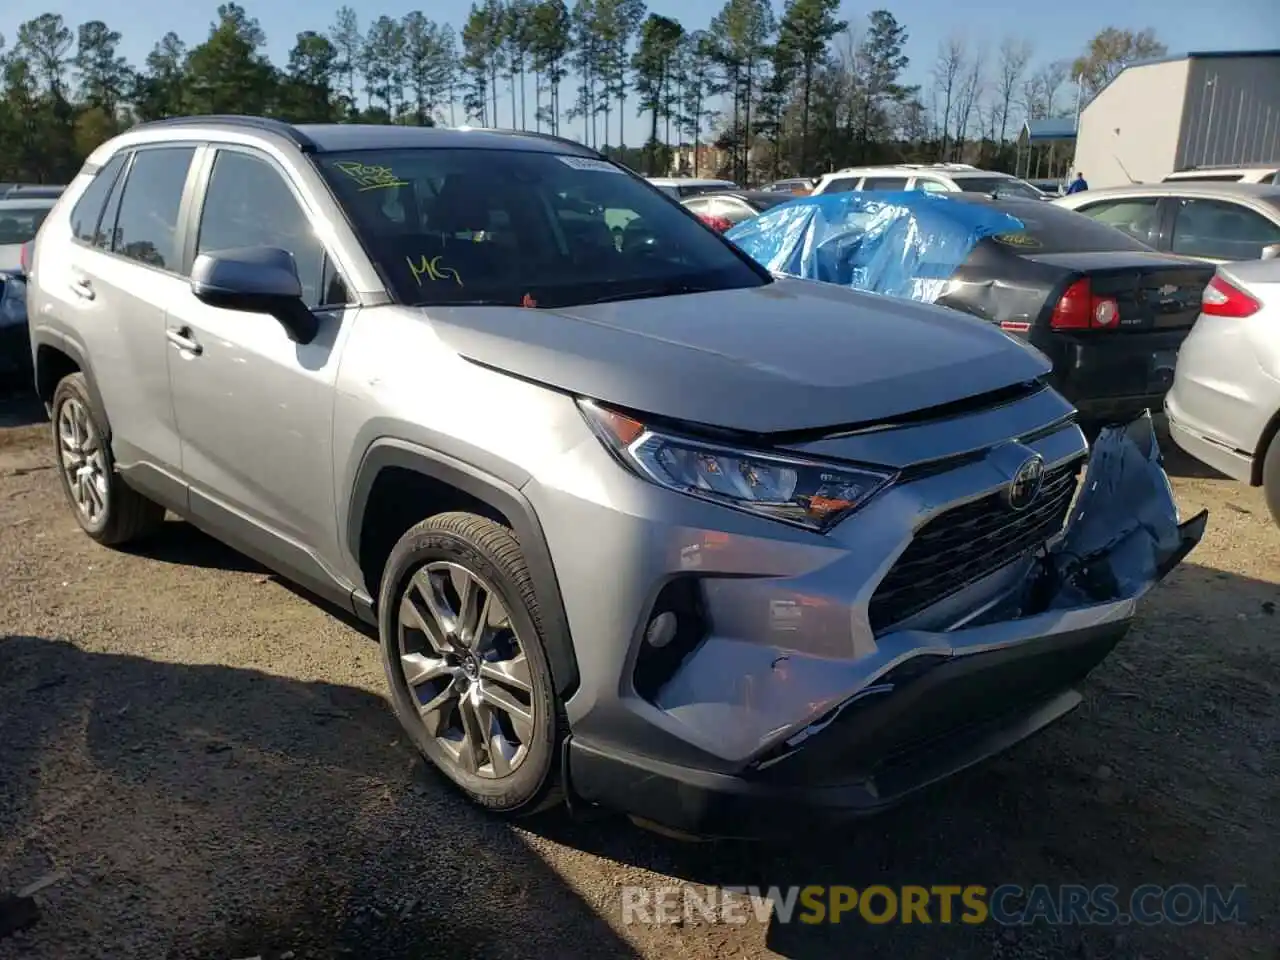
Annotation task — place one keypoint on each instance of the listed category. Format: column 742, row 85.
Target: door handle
column 182, row 339
column 82, row 288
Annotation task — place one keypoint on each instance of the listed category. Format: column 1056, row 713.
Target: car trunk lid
column 1153, row 292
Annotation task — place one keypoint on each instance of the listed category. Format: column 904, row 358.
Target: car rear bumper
column 1222, row 399
column 15, row 357
column 877, row 752
column 1115, row 377
column 1235, row 464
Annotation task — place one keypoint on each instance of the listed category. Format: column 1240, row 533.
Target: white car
column 681, row 187
column 930, row 178
column 1215, row 222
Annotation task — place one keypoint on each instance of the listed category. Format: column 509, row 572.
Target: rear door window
column 147, row 227
column 930, row 186
column 88, row 209
column 1221, row 230
column 885, row 183
column 1136, row 216
column 843, row 185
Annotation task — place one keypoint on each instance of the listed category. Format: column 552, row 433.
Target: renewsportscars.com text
column 1007, row 904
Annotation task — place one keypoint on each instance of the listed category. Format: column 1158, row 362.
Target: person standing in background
column 1078, row 184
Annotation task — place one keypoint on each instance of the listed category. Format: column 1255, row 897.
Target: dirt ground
column 203, row 763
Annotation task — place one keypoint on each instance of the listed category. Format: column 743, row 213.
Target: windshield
column 19, row 224
column 525, row 228
column 1002, row 186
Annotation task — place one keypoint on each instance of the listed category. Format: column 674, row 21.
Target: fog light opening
column 675, row 629
column 662, row 629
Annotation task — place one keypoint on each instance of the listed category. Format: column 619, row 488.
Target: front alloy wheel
column 465, row 666
column 464, row 653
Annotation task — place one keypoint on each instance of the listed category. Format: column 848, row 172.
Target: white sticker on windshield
column 588, row 163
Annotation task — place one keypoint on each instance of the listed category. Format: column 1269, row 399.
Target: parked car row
column 753, row 550
column 20, row 219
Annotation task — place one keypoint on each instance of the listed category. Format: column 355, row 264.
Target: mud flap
column 1124, row 533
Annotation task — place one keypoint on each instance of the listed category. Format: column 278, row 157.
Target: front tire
column 461, row 637
column 107, row 509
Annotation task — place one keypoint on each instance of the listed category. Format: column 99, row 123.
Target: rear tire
column 107, row 509
column 1271, row 478
column 461, row 638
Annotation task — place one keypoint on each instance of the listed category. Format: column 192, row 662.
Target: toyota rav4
column 637, row 522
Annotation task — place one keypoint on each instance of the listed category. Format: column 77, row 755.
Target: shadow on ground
column 180, row 543
column 217, row 812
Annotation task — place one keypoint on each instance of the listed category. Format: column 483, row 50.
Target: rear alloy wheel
column 107, row 509
column 463, row 654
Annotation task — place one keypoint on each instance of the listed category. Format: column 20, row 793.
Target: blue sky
column 1057, row 30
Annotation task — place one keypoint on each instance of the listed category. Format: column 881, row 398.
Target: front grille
column 961, row 546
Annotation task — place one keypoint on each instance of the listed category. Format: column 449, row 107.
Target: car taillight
column 24, row 258
column 1080, row 309
column 1222, row 299
column 718, row 224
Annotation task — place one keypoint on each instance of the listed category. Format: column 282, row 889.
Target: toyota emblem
column 1025, row 486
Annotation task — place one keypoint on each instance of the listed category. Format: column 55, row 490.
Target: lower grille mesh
column 963, row 545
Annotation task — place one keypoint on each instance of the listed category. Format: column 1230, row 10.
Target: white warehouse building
column 1175, row 113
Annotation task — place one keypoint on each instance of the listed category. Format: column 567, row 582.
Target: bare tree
column 1041, row 90
column 1014, row 56
column 946, row 78
column 967, row 97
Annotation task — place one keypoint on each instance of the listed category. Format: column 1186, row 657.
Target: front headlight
column 794, row 490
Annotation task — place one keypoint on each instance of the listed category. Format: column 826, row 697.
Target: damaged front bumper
column 929, row 702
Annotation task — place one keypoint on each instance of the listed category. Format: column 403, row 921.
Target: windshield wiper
column 666, row 290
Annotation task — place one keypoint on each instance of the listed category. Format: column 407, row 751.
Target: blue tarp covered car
column 904, row 244
column 1108, row 311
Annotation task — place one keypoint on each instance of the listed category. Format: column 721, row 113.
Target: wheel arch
column 55, row 358
column 454, row 484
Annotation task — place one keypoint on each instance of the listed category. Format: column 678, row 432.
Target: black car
column 1109, row 311
column 725, row 209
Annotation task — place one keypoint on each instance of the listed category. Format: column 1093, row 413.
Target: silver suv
column 637, row 522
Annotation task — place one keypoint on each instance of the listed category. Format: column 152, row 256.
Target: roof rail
column 540, row 136
column 261, row 124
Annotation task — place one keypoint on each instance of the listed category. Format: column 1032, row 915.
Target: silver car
column 1224, row 408
column 638, row 523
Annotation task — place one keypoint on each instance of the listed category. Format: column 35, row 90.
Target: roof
column 1190, row 55
column 1208, row 189
column 338, row 137
column 341, row 137
column 1050, row 128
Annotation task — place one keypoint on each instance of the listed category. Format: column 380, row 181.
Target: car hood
column 790, row 355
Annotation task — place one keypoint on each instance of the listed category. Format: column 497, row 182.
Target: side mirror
column 1271, row 251
column 255, row 280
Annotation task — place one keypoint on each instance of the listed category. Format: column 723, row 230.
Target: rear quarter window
column 1050, row 229
column 88, row 209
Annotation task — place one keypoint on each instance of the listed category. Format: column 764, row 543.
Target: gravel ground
column 204, row 763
